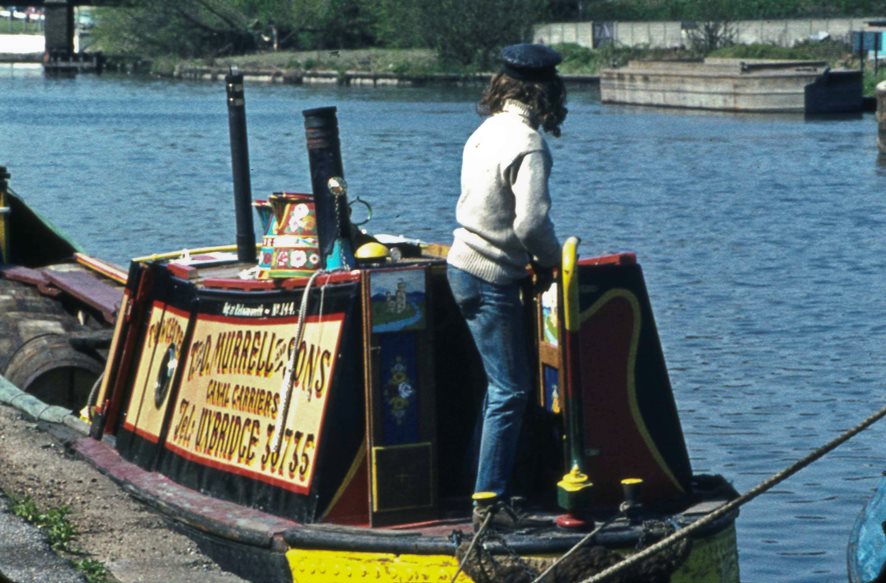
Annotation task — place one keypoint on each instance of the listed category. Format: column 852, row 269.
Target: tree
column 470, row 32
column 714, row 23
column 398, row 23
column 189, row 28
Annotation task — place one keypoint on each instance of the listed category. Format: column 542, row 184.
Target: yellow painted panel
column 166, row 327
column 240, row 372
column 314, row 566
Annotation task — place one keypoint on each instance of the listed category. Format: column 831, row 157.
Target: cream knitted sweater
column 504, row 203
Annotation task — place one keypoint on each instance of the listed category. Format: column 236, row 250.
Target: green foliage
column 580, row 60
column 25, row 508
column 828, row 50
column 871, row 80
column 94, row 571
column 577, row 59
column 60, row 532
column 54, row 522
column 171, row 27
column 470, row 32
column 465, row 34
column 398, row 23
column 11, row 26
column 59, row 529
column 714, row 9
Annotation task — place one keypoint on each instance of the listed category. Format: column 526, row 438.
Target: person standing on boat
column 503, row 213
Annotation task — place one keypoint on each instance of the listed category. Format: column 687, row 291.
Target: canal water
column 763, row 240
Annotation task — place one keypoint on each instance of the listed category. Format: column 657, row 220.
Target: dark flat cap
column 529, row 62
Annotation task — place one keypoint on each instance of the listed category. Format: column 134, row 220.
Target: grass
column 397, row 61
column 61, row 534
column 871, row 79
column 577, row 60
column 8, row 26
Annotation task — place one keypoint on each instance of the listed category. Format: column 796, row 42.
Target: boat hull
column 867, row 542
column 711, row 559
column 262, row 547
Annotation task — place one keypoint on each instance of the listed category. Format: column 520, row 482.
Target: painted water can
column 295, row 248
column 268, row 226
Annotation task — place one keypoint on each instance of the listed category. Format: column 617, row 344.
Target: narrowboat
column 305, row 406
column 57, row 306
column 866, row 560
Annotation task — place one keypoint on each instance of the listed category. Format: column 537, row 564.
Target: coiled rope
column 482, row 530
column 736, row 503
column 575, row 548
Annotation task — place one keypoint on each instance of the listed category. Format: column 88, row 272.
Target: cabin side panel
column 630, row 424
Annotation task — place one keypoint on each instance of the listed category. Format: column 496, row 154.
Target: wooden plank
column 26, row 275
column 91, row 291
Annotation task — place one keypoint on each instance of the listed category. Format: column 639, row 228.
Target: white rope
column 286, row 387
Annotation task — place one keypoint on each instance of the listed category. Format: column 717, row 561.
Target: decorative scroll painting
column 399, row 387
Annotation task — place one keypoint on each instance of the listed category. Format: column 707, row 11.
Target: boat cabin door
column 399, row 395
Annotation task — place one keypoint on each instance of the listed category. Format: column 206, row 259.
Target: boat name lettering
column 274, row 310
column 242, row 310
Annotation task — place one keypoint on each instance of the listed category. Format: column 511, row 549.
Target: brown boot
column 504, row 517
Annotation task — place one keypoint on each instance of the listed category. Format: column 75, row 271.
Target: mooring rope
column 737, row 502
column 480, row 532
column 286, row 387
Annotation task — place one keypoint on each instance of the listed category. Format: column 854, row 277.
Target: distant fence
column 666, row 35
column 881, row 116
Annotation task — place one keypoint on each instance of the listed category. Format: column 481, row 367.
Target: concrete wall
column 670, row 34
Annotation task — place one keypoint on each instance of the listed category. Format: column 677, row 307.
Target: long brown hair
column 546, row 99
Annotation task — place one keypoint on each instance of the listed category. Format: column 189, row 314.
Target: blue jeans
column 494, row 315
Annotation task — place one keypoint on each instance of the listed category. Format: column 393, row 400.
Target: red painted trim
column 328, row 317
column 626, row 258
column 182, row 271
column 170, row 308
column 141, row 432
column 279, row 284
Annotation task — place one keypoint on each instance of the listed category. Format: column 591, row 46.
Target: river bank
column 135, row 544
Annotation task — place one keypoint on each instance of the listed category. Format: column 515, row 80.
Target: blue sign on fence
column 867, row 41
